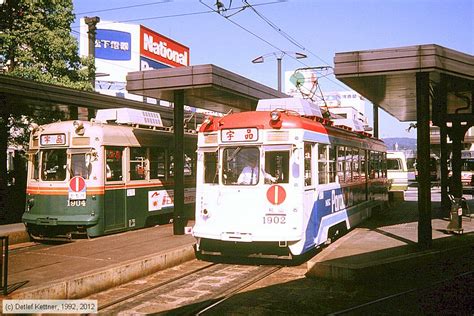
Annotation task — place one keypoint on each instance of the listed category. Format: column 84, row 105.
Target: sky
column 317, row 28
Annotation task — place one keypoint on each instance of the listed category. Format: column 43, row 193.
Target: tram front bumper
column 56, row 220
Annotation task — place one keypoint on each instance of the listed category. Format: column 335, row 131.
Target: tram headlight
column 208, row 120
column 275, row 116
column 205, row 213
column 29, row 204
column 34, row 129
column 79, row 127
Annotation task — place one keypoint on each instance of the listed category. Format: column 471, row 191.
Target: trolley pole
column 178, row 212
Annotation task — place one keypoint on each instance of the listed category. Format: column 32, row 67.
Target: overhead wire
column 274, row 26
column 290, row 39
column 254, row 34
column 127, row 7
column 171, row 15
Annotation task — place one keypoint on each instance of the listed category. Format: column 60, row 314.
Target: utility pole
column 92, row 28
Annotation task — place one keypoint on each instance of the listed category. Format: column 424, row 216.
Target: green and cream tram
column 112, row 174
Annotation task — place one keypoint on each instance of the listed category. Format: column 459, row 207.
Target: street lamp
column 279, row 56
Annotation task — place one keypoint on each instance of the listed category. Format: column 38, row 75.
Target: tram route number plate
column 77, row 188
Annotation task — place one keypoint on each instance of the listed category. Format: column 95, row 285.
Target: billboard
column 162, row 50
column 121, row 48
column 113, row 45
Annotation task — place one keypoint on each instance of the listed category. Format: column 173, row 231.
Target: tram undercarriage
column 261, row 249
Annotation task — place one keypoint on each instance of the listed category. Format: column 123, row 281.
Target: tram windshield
column 242, row 166
column 53, row 165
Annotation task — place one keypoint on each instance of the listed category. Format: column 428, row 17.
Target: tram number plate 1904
column 76, row 202
column 274, row 219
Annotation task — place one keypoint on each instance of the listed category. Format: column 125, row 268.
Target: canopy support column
column 423, row 160
column 178, row 159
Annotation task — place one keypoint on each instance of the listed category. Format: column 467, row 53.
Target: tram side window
column 79, row 166
column 170, row 164
column 188, row 166
column 332, row 163
column 383, row 157
column 349, row 164
column 307, row 164
column 341, row 163
column 34, row 157
column 355, row 164
column 113, row 156
column 363, row 164
column 375, row 165
column 138, row 163
column 277, row 165
column 323, row 168
column 157, row 163
column 53, row 165
column 210, row 167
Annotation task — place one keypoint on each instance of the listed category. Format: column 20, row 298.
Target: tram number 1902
column 274, row 219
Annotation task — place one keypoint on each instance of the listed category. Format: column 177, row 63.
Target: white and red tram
column 313, row 180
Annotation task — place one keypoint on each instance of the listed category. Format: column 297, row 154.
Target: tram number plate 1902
column 274, row 219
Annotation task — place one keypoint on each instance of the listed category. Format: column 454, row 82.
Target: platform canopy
column 43, row 97
column 205, row 86
column 387, row 77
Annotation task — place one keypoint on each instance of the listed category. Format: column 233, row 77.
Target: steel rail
column 236, row 289
column 153, row 287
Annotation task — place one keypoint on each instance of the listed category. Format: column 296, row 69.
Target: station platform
column 84, row 267
column 384, row 245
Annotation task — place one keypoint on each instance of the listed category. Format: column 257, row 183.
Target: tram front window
column 240, row 166
column 79, row 165
column 53, row 165
column 210, row 167
column 277, row 164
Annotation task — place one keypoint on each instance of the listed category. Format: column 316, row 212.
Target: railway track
column 429, row 299
column 193, row 293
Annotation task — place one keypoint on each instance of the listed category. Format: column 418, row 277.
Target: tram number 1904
column 76, row 203
column 274, row 219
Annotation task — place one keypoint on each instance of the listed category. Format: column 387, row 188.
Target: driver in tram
column 249, row 174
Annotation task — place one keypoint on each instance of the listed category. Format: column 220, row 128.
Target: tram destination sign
column 239, row 135
column 53, row 139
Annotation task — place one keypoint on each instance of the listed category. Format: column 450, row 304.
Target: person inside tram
column 249, row 174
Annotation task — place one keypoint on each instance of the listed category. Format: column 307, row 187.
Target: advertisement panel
column 162, row 49
column 113, row 45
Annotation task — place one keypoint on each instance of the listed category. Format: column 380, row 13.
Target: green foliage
column 36, row 43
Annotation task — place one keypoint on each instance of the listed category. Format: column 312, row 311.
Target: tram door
column 115, row 192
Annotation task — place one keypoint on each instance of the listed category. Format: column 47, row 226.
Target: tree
column 36, row 44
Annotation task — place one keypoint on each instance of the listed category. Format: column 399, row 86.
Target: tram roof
column 206, row 86
column 387, row 77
